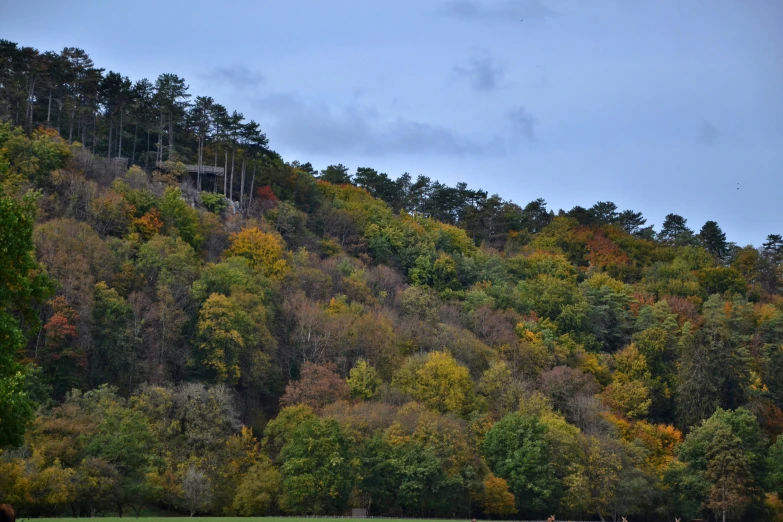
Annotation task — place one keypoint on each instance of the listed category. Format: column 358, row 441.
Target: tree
column 258, row 490
column 179, row 216
column 224, row 332
column 729, row 473
column 727, row 452
column 604, row 212
column 317, row 467
column 280, row 430
column 516, row 450
column 199, row 117
column 114, row 340
column 263, row 250
column 363, row 380
column 713, row 364
column 714, row 239
column 496, row 499
column 774, row 246
column 498, row 386
column 196, row 489
column 96, row 485
column 171, row 96
column 318, row 386
column 438, row 381
column 124, row 440
column 19, row 287
column 775, row 465
column 631, row 221
column 674, row 230
column 336, row 174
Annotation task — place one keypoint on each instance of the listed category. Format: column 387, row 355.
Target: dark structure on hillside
column 209, row 174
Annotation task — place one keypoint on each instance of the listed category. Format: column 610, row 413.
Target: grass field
column 152, row 518
column 210, row 519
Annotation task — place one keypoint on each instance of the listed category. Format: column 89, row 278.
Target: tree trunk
column 242, row 186
column 49, row 111
column 252, row 184
column 135, row 132
column 111, row 127
column 200, row 161
column 59, row 115
column 159, row 155
column 30, row 102
column 119, row 147
column 171, row 135
column 94, row 131
column 225, row 176
column 231, row 181
column 70, row 128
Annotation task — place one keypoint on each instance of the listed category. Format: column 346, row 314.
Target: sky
column 661, row 106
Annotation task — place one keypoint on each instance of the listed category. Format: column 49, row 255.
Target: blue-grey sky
column 658, row 105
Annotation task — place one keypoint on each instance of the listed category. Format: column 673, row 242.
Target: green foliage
column 258, row 490
column 728, row 452
column 215, row 203
column 180, row 217
column 516, row 449
column 318, row 472
column 30, row 158
column 775, row 466
column 19, row 287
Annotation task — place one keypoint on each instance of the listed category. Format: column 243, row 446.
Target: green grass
column 210, row 519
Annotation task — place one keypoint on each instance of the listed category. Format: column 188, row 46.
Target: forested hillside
column 282, row 340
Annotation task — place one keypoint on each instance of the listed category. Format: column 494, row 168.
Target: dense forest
column 276, row 339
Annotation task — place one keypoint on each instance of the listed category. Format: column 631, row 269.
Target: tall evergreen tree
column 714, row 239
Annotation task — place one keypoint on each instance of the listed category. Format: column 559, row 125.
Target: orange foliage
column 660, row 440
column 60, row 325
column 685, row 309
column 603, row 253
column 640, row 299
column 496, row 497
column 149, row 224
column 60, row 331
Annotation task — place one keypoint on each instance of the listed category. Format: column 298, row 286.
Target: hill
column 269, row 339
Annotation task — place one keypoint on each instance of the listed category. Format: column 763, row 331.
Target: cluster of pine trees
column 291, row 341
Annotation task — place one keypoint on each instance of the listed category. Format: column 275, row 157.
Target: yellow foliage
column 631, row 398
column 774, row 507
column 495, row 498
column 630, row 364
column 263, row 250
column 661, row 440
column 221, row 340
column 438, row 381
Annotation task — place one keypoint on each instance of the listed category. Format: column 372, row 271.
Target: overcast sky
column 660, row 106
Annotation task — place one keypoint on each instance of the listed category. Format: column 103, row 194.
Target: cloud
column 237, row 76
column 709, row 134
column 523, row 123
column 482, row 71
column 317, row 128
column 498, row 10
